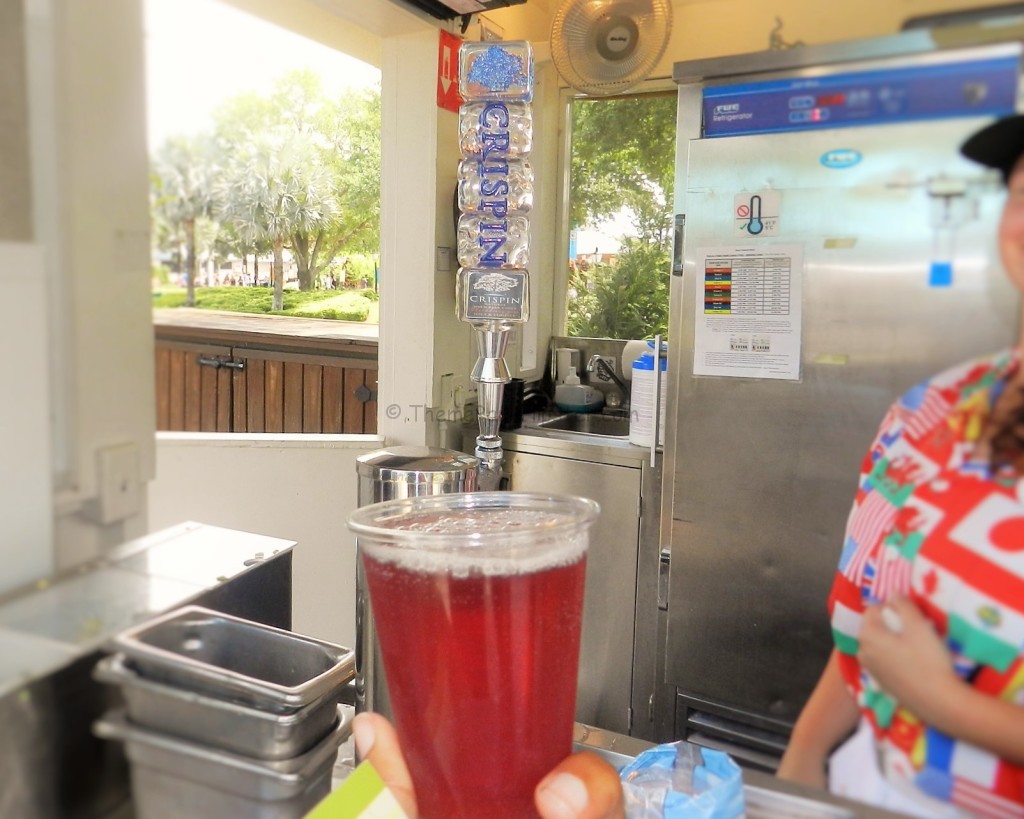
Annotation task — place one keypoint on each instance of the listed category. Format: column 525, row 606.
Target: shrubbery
column 626, row 300
column 349, row 305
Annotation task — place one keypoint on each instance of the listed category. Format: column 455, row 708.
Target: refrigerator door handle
column 664, row 568
column 677, row 244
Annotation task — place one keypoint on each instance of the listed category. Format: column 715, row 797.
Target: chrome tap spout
column 605, row 370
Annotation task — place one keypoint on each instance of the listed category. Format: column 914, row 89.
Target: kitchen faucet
column 605, row 370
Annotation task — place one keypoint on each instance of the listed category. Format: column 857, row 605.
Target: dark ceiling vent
column 449, row 9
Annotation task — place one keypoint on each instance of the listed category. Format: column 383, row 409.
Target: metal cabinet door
column 606, row 651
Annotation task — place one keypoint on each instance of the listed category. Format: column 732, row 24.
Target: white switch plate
column 119, row 485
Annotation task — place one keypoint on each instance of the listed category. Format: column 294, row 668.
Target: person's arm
column 912, row 665
column 828, row 717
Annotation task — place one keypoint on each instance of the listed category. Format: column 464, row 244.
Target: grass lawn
column 342, row 305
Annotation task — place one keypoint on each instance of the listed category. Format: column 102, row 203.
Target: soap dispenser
column 572, row 396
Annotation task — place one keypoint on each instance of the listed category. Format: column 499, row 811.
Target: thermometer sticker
column 755, row 225
column 756, row 214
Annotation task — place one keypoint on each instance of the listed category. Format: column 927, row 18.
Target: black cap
column 998, row 145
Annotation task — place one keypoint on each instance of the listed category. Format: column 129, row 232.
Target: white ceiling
column 394, row 17
column 380, row 17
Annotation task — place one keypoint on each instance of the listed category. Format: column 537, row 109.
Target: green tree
column 623, row 160
column 182, row 190
column 348, row 142
column 623, row 156
column 342, row 139
column 628, row 299
column 272, row 188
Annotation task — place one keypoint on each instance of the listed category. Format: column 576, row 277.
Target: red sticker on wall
column 448, row 96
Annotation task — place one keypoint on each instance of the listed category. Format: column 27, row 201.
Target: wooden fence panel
column 239, row 411
column 274, row 391
column 208, row 383
column 370, row 407
column 293, row 396
column 255, row 389
column 273, row 396
column 225, row 398
column 312, row 398
column 352, row 408
column 191, row 396
column 333, row 384
column 163, row 388
column 176, row 400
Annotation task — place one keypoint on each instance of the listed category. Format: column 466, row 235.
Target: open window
column 621, row 159
column 265, row 199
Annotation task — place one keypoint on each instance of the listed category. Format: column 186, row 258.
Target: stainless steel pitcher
column 390, row 474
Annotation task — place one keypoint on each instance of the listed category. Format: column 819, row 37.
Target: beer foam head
column 497, row 533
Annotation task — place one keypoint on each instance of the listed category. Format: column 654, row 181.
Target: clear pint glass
column 478, row 600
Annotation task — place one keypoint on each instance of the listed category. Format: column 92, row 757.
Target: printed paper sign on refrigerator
column 748, row 312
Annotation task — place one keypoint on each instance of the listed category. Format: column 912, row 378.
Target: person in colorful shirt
column 927, row 607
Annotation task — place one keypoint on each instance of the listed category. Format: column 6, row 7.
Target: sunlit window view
column 265, row 167
column 623, row 154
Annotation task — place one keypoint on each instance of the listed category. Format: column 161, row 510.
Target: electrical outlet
column 119, row 488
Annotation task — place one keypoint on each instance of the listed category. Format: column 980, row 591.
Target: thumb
column 377, row 742
column 582, row 786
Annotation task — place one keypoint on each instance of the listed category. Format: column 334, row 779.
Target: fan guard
column 604, row 47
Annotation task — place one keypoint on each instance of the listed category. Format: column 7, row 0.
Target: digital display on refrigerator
column 973, row 88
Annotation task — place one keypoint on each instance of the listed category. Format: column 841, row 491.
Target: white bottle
column 641, row 399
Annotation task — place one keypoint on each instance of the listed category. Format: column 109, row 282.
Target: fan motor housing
column 617, row 37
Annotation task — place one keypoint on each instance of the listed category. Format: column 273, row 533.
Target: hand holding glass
column 477, row 600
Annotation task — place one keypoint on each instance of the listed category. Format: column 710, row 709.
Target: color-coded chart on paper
column 751, row 286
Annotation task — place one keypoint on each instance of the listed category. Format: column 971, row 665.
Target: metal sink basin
column 609, row 426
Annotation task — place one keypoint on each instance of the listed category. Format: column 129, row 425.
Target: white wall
column 409, row 359
column 77, row 325
column 296, row 487
column 91, row 180
column 26, row 473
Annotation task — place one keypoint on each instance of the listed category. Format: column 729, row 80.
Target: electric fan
column 603, row 47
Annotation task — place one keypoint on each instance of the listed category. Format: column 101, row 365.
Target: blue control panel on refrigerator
column 954, row 89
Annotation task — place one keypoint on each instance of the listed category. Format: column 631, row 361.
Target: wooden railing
column 239, row 373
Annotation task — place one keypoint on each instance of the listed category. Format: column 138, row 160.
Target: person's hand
column 902, row 651
column 582, row 786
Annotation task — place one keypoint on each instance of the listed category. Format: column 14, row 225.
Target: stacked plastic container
column 224, row 717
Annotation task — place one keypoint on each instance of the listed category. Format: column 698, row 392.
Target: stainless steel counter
column 53, row 633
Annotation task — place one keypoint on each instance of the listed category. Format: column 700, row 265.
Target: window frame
column 567, row 96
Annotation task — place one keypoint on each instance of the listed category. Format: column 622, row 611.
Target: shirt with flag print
column 934, row 524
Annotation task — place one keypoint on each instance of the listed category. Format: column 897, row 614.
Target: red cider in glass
column 477, row 601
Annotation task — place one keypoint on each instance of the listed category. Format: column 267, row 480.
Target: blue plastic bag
column 682, row 781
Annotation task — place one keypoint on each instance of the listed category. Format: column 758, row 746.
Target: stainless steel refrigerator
column 832, row 251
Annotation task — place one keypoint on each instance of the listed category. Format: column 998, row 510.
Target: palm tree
column 273, row 187
column 182, row 188
column 343, row 136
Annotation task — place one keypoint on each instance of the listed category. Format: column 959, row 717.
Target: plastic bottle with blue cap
column 641, row 399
